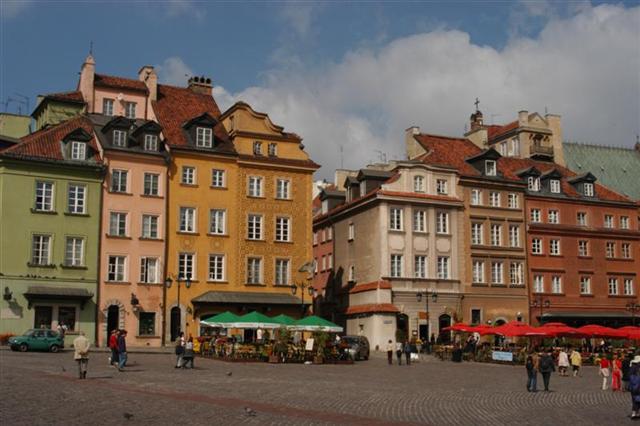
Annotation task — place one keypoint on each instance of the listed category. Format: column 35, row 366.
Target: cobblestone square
column 43, row 389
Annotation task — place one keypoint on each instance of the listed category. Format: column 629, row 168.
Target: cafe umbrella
column 315, row 323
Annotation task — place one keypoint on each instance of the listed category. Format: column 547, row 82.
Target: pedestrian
column 616, row 373
column 61, row 329
column 399, row 350
column 81, row 355
column 180, row 344
column 604, row 371
column 113, row 345
column 546, row 367
column 576, row 362
column 626, row 369
column 563, row 362
column 407, row 352
column 122, row 349
column 634, row 387
column 531, row 365
column 390, row 352
column 188, row 354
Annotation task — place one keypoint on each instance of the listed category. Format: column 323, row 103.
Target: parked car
column 358, row 346
column 40, row 339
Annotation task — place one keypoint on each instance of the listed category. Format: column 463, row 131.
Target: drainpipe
column 99, row 276
column 166, row 250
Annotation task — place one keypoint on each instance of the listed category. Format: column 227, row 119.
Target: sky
column 350, row 77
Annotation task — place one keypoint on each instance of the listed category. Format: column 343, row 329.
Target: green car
column 40, row 339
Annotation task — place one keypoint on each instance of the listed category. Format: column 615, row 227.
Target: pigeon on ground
column 64, row 369
column 128, row 416
column 229, row 373
column 249, row 412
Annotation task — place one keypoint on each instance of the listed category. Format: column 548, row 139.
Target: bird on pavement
column 249, row 412
column 127, row 416
column 63, row 369
column 229, row 373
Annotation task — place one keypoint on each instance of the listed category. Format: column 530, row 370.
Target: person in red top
column 113, row 345
column 604, row 371
column 616, row 373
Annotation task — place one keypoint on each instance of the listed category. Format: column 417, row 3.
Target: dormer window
column 204, row 137
column 533, row 183
column 273, row 150
column 78, row 150
column 119, row 138
column 418, row 184
column 555, row 186
column 441, row 187
column 151, row 143
column 130, row 109
column 588, row 189
column 490, row 167
column 257, row 148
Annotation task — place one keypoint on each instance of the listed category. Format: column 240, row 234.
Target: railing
column 538, row 148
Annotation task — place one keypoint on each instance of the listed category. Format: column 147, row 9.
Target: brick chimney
column 202, row 85
column 85, row 85
column 148, row 75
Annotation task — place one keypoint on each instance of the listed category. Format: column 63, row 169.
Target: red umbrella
column 465, row 328
column 516, row 328
column 600, row 331
column 558, row 329
column 630, row 332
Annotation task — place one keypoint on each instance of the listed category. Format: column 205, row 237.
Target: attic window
column 78, row 150
column 533, row 183
column 555, row 186
column 490, row 167
column 588, row 189
column 119, row 138
column 273, row 150
column 203, row 137
column 150, row 143
column 418, row 184
column 257, row 148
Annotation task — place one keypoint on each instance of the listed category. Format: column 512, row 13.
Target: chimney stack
column 148, row 76
column 523, row 118
column 87, row 77
column 202, row 85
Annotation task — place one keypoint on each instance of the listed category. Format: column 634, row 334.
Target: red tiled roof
column 375, row 285
column 493, row 131
column 120, row 83
column 75, row 96
column 176, row 105
column 45, row 144
column 446, row 151
column 372, row 308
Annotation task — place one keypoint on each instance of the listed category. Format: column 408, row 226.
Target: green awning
column 221, row 320
column 315, row 323
column 255, row 320
column 283, row 319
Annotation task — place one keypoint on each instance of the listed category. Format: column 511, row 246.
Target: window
column 324, row 263
column 610, row 249
column 147, row 324
column 352, row 232
column 443, row 267
column 78, row 150
column 76, row 200
column 554, row 247
column 254, row 269
column 186, row 265
column 490, row 167
column 582, row 218
column 608, row 221
column 149, row 226
column 496, row 235
column 514, row 236
column 330, row 260
column 418, row 184
column 628, row 287
column 494, row 199
column 476, row 197
column 187, row 219
column 395, row 219
column 188, row 175
column 204, row 137
column 66, row 316
column 626, row 250
column 116, row 267
column 555, row 186
column 585, row 285
column 420, row 267
column 556, row 284
column 533, row 183
column 588, row 189
column 538, row 284
column 396, row 265
column 502, row 148
column 216, row 267
column 624, row 222
column 41, row 250
column 273, row 149
column 149, row 270
column 130, row 109
column 283, row 227
column 118, row 224
column 514, row 201
column 119, row 138
column 217, row 178
column 535, row 215
column 476, row 234
column 536, row 246
column 613, row 286
column 441, row 186
column 44, row 196
column 419, row 221
column 257, row 148
column 151, row 182
column 514, row 148
column 282, row 189
column 74, row 251
column 282, row 271
column 119, row 180
column 255, row 186
column 107, row 106
column 516, row 273
column 442, row 223
column 315, row 238
column 554, row 216
column 496, row 272
column 583, row 248
column 151, row 143
column 476, row 316
column 217, row 221
column 352, row 273
column 329, row 233
column 478, row 271
column 254, row 227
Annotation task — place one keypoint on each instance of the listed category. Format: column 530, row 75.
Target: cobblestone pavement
column 42, row 388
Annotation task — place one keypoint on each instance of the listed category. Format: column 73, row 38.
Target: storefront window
column 147, row 324
column 67, row 317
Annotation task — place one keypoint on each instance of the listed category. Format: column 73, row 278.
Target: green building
column 55, row 108
column 14, row 125
column 50, row 199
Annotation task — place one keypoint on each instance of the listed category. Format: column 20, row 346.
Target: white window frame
column 187, row 219
column 351, row 232
column 41, row 249
column 151, row 184
column 150, row 226
column 536, row 246
column 538, row 284
column 217, row 222
column 107, row 106
column 282, row 189
column 119, row 181
column 497, row 272
column 254, row 270
column 625, row 250
column 78, row 150
column 218, row 178
column 117, row 268
column 628, row 289
column 581, row 218
column 513, row 201
column 282, row 269
column 514, row 235
column 257, row 148
column 187, row 265
column 150, row 142
column 45, row 191
column 556, row 284
column 76, row 198
column 272, row 149
column 254, row 186
column 553, row 216
column 204, row 137
column 442, row 186
column 74, row 251
column 494, row 199
column 583, row 248
column 588, row 189
column 217, row 268
column 130, row 109
column 516, row 273
column 149, row 270
column 444, row 267
column 478, row 272
column 554, row 185
column 442, row 223
column 420, row 266
column 188, row 175
column 496, row 235
column 610, row 249
column 536, row 215
column 120, row 138
column 612, row 286
column 283, row 229
column 490, row 168
column 476, row 197
column 608, row 221
column 418, row 184
column 254, row 226
column 554, row 247
column 419, row 221
column 624, row 222
column 533, row 183
column 396, row 266
column 585, row 285
column 396, row 219
column 118, row 222
column 477, row 233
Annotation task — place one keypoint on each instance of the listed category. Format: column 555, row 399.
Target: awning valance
column 39, row 293
column 587, row 314
column 246, row 298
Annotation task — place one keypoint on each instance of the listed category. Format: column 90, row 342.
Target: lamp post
column 168, row 282
column 633, row 307
column 303, row 286
column 434, row 297
column 539, row 303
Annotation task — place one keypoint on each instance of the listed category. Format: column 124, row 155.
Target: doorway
column 402, row 329
column 42, row 317
column 113, row 320
column 444, row 321
column 175, row 323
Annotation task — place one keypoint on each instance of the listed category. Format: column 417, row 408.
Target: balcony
column 540, row 150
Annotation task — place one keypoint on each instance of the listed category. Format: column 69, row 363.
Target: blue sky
column 310, row 62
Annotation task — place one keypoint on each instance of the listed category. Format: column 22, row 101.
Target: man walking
column 546, row 368
column 390, row 352
column 407, row 351
column 399, row 350
column 532, row 372
column 122, row 350
column 81, row 345
column 576, row 362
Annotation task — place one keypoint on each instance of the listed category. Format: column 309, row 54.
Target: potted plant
column 320, row 339
column 280, row 347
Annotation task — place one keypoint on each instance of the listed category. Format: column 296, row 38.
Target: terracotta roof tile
column 75, row 96
column 493, row 131
column 113, row 82
column 375, row 285
column 372, row 308
column 446, row 151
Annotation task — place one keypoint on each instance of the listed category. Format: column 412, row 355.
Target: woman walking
column 390, row 352
column 563, row 363
column 576, row 362
column 616, row 373
column 399, row 350
column 532, row 372
column 604, row 371
column 180, row 350
column 81, row 345
column 188, row 354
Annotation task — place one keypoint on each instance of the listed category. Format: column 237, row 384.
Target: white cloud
column 12, row 8
column 175, row 8
column 299, row 15
column 174, row 71
column 584, row 68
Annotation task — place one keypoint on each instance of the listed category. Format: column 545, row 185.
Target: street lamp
column 539, row 303
column 302, row 285
column 633, row 307
column 434, row 297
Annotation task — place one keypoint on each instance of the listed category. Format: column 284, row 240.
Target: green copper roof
column 616, row 168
